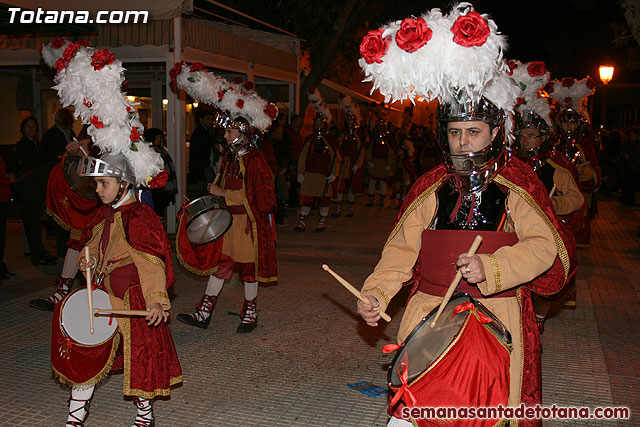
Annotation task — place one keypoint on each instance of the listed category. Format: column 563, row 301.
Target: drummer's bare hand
column 72, row 147
column 156, row 314
column 370, row 312
column 471, row 268
column 83, row 263
column 215, row 189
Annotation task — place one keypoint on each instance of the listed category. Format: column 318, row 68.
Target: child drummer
column 129, row 253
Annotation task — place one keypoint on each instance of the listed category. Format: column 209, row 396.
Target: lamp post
column 606, row 74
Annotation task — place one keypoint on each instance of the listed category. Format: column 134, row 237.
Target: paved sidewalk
column 293, row 370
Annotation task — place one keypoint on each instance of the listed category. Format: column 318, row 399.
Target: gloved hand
column 354, row 168
column 300, row 178
column 388, row 168
column 370, row 164
column 331, row 178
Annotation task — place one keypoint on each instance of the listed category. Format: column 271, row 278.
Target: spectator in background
column 201, row 155
column 165, row 196
column 5, row 195
column 29, row 174
column 278, row 155
column 630, row 167
column 293, row 139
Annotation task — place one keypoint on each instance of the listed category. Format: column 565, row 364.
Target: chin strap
column 123, row 186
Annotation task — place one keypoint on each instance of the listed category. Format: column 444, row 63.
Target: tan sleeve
column 568, row 197
column 302, row 160
column 588, row 173
column 152, row 279
column 337, row 162
column 535, row 252
column 399, row 255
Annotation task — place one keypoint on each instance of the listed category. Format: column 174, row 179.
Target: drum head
column 75, row 318
column 83, row 185
column 208, row 226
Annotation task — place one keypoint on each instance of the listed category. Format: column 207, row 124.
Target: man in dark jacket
column 201, row 153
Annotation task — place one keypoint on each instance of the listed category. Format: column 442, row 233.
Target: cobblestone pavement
column 294, row 369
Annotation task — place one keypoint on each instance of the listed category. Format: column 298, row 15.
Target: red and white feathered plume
column 572, row 94
column 315, row 98
column 531, row 77
column 456, row 57
column 237, row 98
column 90, row 80
column 349, row 107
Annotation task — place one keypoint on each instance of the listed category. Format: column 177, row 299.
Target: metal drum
column 207, row 219
column 83, row 185
column 75, row 318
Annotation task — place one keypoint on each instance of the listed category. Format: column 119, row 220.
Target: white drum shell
column 75, row 318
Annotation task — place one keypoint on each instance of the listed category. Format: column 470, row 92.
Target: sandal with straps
column 78, row 422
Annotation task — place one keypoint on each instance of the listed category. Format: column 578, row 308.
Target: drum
column 75, row 318
column 83, row 185
column 462, row 362
column 207, row 219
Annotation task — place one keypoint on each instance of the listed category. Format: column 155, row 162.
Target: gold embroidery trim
column 497, row 277
column 378, row 290
column 562, row 250
column 161, row 294
column 413, row 206
column 59, row 221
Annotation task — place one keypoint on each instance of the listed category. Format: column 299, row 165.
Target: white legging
column 214, row 287
column 372, row 187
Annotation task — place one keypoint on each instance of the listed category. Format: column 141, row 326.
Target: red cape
column 143, row 231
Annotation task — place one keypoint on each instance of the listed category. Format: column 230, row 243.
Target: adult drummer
column 478, row 190
column 246, row 186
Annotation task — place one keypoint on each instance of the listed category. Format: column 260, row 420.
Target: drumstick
column 215, row 181
column 455, row 281
column 87, row 275
column 353, row 290
column 552, row 192
column 81, row 148
column 122, row 312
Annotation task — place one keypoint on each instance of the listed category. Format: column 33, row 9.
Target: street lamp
column 606, row 74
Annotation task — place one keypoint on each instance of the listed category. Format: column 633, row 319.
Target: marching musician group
column 519, row 169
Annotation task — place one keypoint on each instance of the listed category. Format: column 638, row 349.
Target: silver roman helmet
column 474, row 170
column 244, row 141
column 531, row 120
column 114, row 165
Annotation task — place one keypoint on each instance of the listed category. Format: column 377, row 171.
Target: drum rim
column 425, row 319
column 64, row 332
column 212, row 240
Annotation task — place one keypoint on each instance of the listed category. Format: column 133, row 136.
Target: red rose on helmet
column 512, row 66
column 94, row 120
column 197, row 67
column 413, row 34
column 271, row 111
column 374, row 47
column 83, row 42
column 536, row 68
column 159, row 180
column 220, row 95
column 520, row 100
column 70, row 51
column 549, row 88
column 568, row 81
column 248, row 85
column 470, row 30
column 57, row 43
column 240, row 103
column 567, row 100
column 101, row 58
column 175, row 70
column 135, row 135
column 237, row 81
column 87, row 103
column 312, row 91
column 60, row 64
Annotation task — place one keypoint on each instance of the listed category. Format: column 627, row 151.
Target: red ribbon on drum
column 390, row 348
column 469, row 306
column 404, row 389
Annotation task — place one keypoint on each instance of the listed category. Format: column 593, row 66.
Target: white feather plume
column 96, row 94
column 316, row 100
column 529, row 91
column 573, row 97
column 348, row 106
